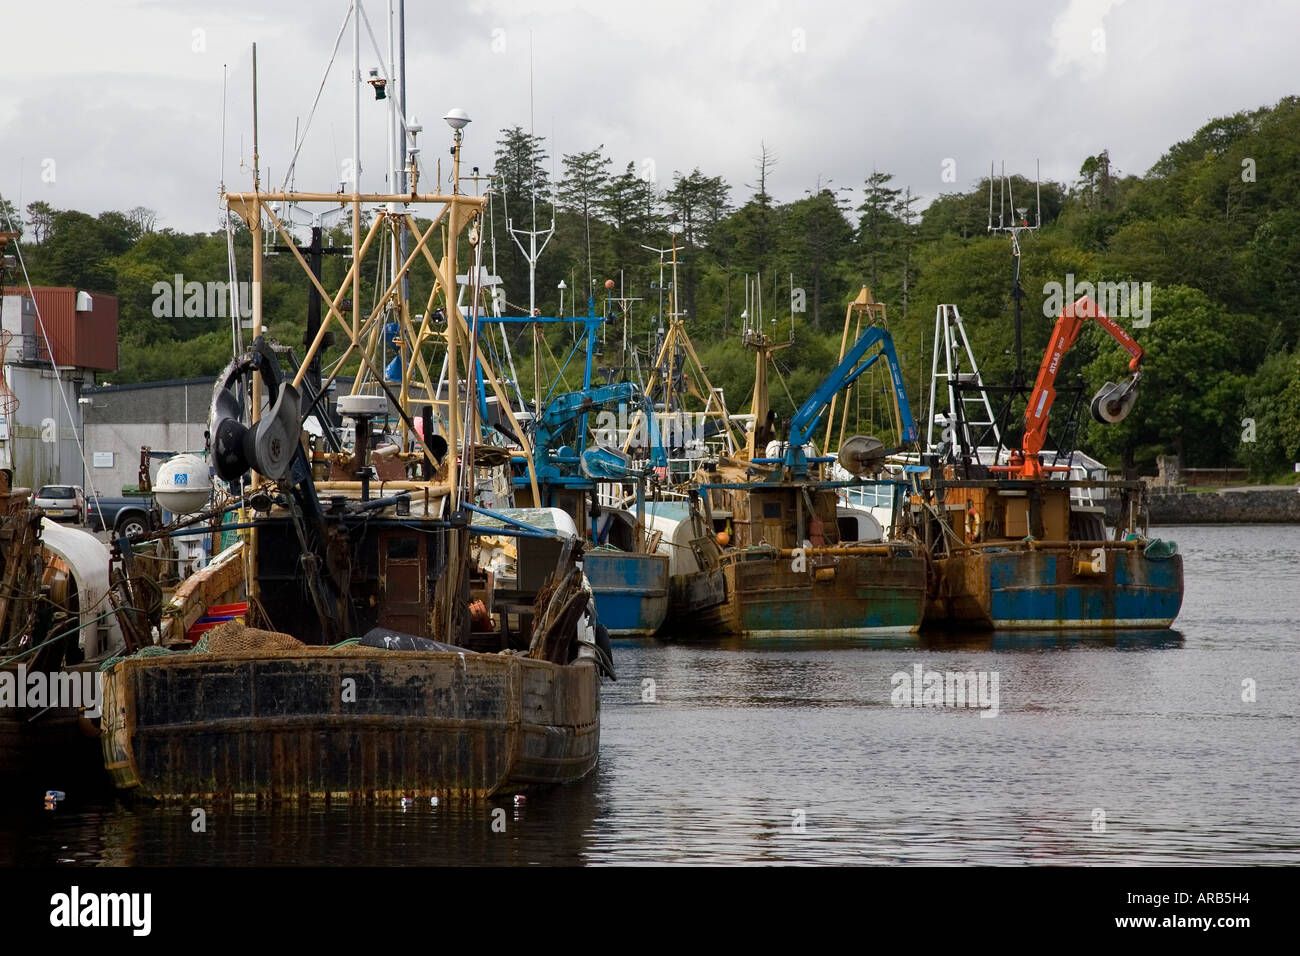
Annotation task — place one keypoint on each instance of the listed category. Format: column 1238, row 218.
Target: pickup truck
column 124, row 516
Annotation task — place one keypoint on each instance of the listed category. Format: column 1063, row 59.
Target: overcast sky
column 116, row 103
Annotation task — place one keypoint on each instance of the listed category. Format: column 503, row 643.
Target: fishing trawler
column 794, row 561
column 1023, row 543
column 1019, row 537
column 345, row 670
column 56, row 628
column 627, row 576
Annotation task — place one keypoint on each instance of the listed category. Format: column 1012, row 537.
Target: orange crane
column 1112, row 403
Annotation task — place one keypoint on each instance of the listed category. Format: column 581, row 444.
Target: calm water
column 1149, row 730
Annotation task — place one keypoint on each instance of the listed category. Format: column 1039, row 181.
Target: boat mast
column 755, row 337
column 254, row 218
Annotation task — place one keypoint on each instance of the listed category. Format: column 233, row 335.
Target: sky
column 119, row 103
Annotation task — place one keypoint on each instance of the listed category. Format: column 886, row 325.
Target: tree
column 117, row 232
column 816, row 238
column 1270, row 433
column 41, row 216
column 696, row 202
column 524, row 191
column 630, row 202
column 761, row 239
column 906, row 217
column 1192, row 382
column 1096, row 184
column 586, row 176
column 78, row 252
column 10, row 220
column 878, row 225
column 143, row 218
column 521, row 167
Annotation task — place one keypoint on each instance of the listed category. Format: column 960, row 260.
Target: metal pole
column 356, row 168
column 356, row 97
column 403, row 180
column 256, row 403
column 393, row 131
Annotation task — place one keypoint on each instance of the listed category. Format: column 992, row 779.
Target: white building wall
column 167, row 417
column 123, row 442
column 41, row 448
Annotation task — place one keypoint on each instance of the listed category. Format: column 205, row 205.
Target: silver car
column 62, row 502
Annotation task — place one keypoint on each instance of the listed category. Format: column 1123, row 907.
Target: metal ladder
column 976, row 412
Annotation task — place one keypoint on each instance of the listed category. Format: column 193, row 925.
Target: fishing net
column 233, row 637
column 226, row 639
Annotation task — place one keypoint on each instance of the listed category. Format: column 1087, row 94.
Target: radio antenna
column 1019, row 224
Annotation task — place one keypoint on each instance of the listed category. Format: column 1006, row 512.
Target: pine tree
column 524, row 189
column 877, row 225
column 697, row 203
column 586, row 177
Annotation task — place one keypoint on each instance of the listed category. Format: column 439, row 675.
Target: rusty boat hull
column 352, row 725
column 842, row 593
column 631, row 591
column 1054, row 588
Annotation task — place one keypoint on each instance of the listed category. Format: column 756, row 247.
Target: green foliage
column 1272, row 403
column 1190, row 397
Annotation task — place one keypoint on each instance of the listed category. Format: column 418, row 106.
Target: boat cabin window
column 407, row 548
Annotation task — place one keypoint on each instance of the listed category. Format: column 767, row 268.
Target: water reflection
column 1153, row 639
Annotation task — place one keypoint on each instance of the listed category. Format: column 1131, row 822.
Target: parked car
column 123, row 516
column 62, row 502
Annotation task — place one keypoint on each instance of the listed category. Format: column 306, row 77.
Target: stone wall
column 1255, row 506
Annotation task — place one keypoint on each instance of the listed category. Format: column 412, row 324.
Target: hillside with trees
column 1213, row 226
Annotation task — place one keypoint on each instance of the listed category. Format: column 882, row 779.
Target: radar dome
column 183, row 485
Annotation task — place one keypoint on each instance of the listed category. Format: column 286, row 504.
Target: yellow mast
column 865, row 305
column 764, row 346
column 677, row 335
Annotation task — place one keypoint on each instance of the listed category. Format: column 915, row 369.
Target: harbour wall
column 1230, row 506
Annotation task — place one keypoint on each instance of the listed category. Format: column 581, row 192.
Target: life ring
column 974, row 525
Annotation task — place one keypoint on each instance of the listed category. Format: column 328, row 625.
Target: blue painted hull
column 631, row 591
column 1043, row 589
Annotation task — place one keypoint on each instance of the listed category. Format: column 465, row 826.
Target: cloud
column 1078, row 37
column 133, row 112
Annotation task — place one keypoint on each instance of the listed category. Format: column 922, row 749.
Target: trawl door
column 403, row 583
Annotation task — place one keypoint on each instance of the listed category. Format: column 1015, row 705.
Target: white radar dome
column 183, row 485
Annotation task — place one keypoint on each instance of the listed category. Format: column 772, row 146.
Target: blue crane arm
column 566, row 408
column 808, row 417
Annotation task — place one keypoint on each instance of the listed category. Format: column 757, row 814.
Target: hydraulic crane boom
column 805, row 420
column 564, row 409
column 1111, row 404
